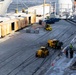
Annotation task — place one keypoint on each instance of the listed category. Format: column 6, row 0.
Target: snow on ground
column 60, row 66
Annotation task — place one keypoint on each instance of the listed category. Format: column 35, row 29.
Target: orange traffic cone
column 52, row 64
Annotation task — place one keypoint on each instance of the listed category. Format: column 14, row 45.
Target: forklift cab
column 42, row 52
column 48, row 27
column 43, row 48
column 54, row 43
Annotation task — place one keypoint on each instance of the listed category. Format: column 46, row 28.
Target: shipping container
column 17, row 26
column 7, row 28
column 15, row 22
column 33, row 18
column 0, row 31
column 21, row 20
column 3, row 30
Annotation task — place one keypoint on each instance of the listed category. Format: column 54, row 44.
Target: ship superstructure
column 4, row 4
column 62, row 8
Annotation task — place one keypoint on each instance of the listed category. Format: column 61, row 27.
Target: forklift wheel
column 59, row 47
column 36, row 55
column 48, row 44
column 48, row 53
column 43, row 56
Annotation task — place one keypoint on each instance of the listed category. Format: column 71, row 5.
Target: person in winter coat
column 67, row 53
column 71, row 51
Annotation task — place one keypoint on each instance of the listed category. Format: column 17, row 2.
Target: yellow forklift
column 48, row 27
column 54, row 43
column 42, row 52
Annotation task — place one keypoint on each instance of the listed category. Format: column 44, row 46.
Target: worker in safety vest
column 71, row 51
column 71, row 47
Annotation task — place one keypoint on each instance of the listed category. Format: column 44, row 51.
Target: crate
column 17, row 26
column 32, row 31
column 28, row 30
column 36, row 31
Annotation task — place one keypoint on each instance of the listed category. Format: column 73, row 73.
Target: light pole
column 55, row 8
column 44, row 9
column 17, row 4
